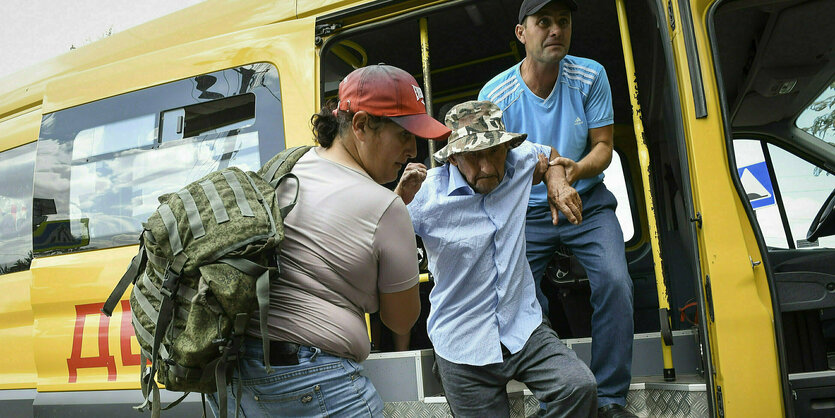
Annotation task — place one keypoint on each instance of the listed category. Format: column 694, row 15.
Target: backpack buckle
column 170, row 284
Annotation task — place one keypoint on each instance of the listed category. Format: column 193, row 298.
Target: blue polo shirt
column 484, row 290
column 581, row 100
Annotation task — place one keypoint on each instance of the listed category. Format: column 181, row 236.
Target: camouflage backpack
column 204, row 265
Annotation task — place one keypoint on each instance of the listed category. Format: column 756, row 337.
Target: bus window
column 615, row 181
column 800, row 191
column 102, row 165
column 16, row 167
column 818, row 119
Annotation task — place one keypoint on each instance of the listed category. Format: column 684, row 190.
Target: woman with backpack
column 349, row 248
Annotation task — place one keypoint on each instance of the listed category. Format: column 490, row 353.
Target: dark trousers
column 551, row 371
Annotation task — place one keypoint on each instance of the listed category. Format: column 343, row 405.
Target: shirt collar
column 458, row 185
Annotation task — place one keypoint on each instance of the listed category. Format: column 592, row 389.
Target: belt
column 284, row 353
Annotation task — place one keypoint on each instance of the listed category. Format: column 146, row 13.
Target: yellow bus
column 724, row 178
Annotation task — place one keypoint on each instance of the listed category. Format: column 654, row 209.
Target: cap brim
column 422, row 125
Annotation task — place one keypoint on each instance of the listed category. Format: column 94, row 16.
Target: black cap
column 530, row 7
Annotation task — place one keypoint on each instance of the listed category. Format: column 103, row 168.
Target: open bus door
column 775, row 66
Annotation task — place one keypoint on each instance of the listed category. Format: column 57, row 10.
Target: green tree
column 19, row 265
column 824, row 123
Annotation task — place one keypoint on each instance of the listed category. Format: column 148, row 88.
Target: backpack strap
column 285, row 210
column 262, row 293
column 238, row 191
column 170, row 285
column 177, row 402
column 130, row 276
column 150, row 390
column 193, row 214
column 284, row 161
column 222, row 365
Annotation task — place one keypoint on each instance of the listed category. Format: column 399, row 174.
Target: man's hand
column 561, row 196
column 410, row 181
column 572, row 168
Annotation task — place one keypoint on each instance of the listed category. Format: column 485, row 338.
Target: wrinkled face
column 483, row 169
column 547, row 33
column 387, row 150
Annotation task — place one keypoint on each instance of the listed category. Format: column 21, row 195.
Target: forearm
column 555, row 174
column 597, row 160
column 602, row 143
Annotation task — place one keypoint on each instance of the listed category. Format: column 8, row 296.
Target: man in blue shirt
column 565, row 102
column 485, row 322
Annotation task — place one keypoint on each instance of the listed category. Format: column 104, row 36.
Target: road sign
column 757, row 184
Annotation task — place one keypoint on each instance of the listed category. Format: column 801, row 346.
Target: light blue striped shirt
column 581, row 100
column 484, row 290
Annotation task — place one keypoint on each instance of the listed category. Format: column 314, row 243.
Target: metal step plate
column 648, row 397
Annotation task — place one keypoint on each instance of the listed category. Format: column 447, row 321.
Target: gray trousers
column 551, row 371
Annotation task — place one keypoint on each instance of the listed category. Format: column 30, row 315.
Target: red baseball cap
column 383, row 90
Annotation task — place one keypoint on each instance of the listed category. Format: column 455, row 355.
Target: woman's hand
column 410, row 181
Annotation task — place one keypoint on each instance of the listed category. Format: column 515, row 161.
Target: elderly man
column 485, row 322
column 566, row 102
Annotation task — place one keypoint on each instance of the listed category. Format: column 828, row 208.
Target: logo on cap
column 418, row 94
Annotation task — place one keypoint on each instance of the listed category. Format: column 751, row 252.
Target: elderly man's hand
column 410, row 181
column 564, row 198
column 541, row 168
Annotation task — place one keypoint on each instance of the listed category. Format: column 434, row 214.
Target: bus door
column 776, row 70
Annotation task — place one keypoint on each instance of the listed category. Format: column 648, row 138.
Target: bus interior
column 771, row 67
column 469, row 43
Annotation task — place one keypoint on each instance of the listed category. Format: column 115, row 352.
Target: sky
column 32, row 31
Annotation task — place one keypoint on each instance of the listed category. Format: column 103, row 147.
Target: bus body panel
column 17, row 357
column 741, row 331
column 56, row 340
column 77, row 347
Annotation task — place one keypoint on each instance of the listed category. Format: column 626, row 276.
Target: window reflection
column 101, row 166
column 819, row 118
column 131, row 133
column 16, row 168
column 119, row 193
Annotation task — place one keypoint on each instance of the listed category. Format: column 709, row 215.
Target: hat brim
column 422, row 125
column 489, row 140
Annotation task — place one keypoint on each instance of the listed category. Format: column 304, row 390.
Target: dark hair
column 326, row 126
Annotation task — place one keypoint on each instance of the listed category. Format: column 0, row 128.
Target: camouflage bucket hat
column 476, row 126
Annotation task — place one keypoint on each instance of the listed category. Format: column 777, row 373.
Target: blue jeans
column 320, row 385
column 597, row 243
